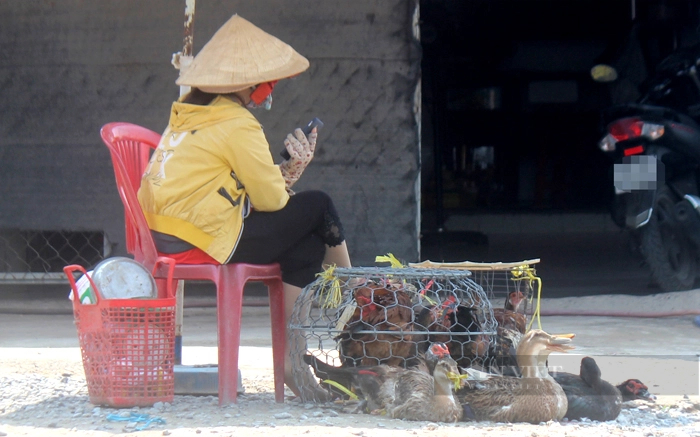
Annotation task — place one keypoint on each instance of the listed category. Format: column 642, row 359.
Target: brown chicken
column 455, row 325
column 501, row 357
column 510, row 316
column 468, row 341
column 436, row 320
column 380, row 329
column 512, row 325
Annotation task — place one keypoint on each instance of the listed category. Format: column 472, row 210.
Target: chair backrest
column 130, row 146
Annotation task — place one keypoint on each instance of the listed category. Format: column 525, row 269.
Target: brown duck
column 535, row 397
column 409, row 394
column 420, row 396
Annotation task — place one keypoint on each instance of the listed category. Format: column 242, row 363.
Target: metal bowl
column 123, row 278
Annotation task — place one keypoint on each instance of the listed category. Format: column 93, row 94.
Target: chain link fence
column 38, row 257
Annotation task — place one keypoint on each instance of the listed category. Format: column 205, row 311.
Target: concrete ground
column 661, row 351
column 590, row 282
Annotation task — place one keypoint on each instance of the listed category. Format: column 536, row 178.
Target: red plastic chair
column 129, row 146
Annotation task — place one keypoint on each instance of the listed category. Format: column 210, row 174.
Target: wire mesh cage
column 375, row 315
column 510, row 285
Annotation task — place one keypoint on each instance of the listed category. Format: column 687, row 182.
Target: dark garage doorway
column 510, row 110
column 511, row 116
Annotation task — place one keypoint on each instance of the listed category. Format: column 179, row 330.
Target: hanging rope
column 527, row 273
column 333, row 296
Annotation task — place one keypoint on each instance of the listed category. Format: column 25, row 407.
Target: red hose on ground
column 678, row 313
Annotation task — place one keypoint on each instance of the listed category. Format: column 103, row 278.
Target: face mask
column 261, row 97
column 265, row 104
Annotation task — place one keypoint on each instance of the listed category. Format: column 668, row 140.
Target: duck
column 633, row 389
column 591, row 397
column 588, row 395
column 408, row 394
column 423, row 397
column 535, row 397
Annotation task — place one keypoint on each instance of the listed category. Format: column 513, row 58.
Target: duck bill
column 644, row 394
column 560, row 342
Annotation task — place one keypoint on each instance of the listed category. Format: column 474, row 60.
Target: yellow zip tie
column 429, row 300
column 527, row 273
column 334, row 296
column 389, row 258
column 340, row 387
column 456, row 379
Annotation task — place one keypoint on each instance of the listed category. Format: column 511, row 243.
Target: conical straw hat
column 241, row 55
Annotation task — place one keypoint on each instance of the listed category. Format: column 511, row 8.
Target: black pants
column 295, row 236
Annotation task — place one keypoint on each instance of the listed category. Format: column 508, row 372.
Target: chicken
column 468, row 341
column 459, row 327
column 501, row 357
column 510, row 316
column 410, row 394
column 436, row 320
column 380, row 329
column 456, row 325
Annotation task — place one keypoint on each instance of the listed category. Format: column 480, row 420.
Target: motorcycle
column 655, row 146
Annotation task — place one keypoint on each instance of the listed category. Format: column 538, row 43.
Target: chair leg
column 229, row 300
column 179, row 313
column 276, row 296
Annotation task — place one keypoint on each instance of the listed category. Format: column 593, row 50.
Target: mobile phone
column 315, row 123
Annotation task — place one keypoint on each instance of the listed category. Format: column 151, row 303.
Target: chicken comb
column 440, row 350
column 451, row 300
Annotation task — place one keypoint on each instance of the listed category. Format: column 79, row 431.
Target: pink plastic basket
column 127, row 345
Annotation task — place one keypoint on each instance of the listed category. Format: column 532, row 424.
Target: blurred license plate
column 639, row 173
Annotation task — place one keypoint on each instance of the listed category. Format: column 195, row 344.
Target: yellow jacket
column 212, row 164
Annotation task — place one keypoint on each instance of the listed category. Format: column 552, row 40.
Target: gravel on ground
column 47, row 396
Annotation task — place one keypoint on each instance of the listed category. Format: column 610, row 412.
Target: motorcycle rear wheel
column 669, row 254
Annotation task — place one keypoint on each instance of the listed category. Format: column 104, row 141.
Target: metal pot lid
column 123, row 278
